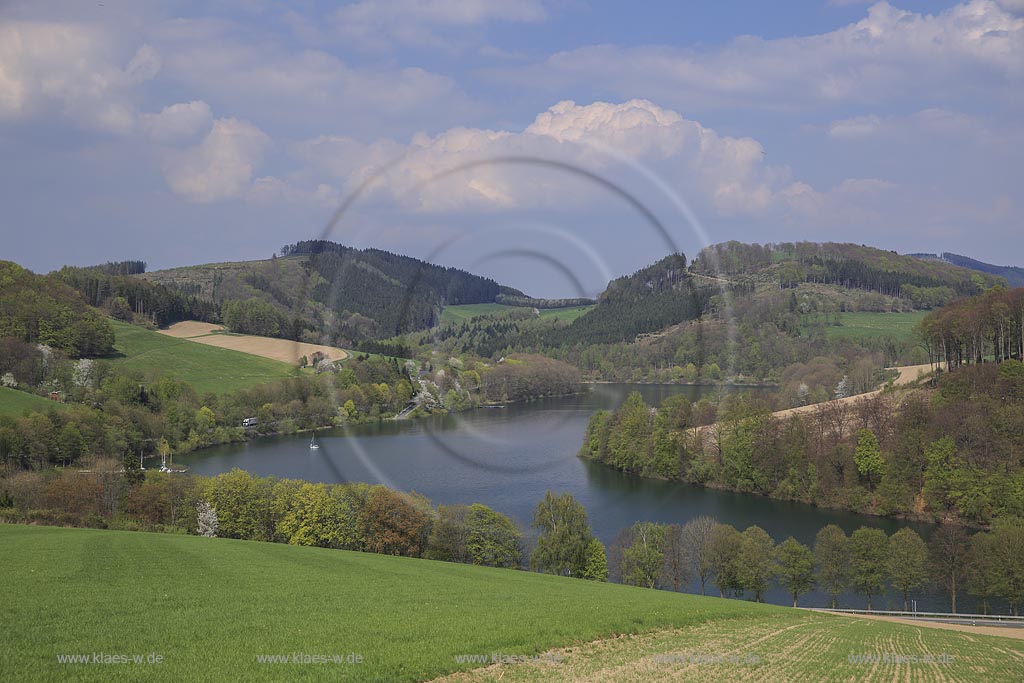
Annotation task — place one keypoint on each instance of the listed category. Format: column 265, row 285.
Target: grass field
column 206, row 368
column 211, row 607
column 13, row 402
column 467, row 311
column 899, row 326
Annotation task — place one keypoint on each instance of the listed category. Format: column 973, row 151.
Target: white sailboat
column 313, row 443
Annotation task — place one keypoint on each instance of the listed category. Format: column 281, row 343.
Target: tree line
column 126, row 297
column 349, row 516
column 987, row 565
column 531, row 302
column 951, row 453
column 977, row 329
column 373, row 518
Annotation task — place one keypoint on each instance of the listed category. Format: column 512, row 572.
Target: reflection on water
column 508, row 457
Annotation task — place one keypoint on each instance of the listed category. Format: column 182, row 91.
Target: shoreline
column 906, row 379
column 739, row 385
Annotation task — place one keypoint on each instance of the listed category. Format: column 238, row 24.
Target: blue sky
column 188, row 132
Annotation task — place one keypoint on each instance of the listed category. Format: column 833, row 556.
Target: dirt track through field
column 908, row 374
column 283, row 350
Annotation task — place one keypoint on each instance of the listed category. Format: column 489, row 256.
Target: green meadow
column 898, row 326
column 13, row 403
column 210, row 609
column 206, row 368
column 467, row 311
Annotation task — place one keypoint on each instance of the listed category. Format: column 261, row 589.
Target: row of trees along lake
column 367, row 518
column 986, row 565
column 948, row 453
column 125, row 413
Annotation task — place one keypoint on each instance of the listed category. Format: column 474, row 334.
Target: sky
column 550, row 144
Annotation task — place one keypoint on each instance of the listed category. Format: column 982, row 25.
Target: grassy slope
column 899, row 326
column 206, row 368
column 209, row 606
column 467, row 311
column 13, row 402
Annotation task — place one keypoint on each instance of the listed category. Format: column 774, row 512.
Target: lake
column 508, row 457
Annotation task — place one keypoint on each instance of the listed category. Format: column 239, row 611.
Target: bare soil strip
column 190, row 328
column 908, row 374
column 283, row 350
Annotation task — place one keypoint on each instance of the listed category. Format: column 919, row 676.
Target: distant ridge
column 1014, row 275
column 325, row 292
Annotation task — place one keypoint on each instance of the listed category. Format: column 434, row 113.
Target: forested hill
column 39, row 309
column 926, row 284
column 846, row 276
column 1014, row 275
column 328, row 290
column 656, row 297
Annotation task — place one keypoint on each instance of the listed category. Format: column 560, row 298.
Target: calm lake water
column 508, row 457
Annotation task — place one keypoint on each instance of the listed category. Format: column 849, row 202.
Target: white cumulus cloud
column 178, row 121
column 890, row 54
column 72, row 67
column 221, row 166
column 471, row 168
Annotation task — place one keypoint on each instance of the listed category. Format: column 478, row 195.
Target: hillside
column 324, row 292
column 211, row 607
column 1013, row 275
column 850, row 266
column 740, row 312
column 822, row 278
column 38, row 309
column 649, row 300
column 206, row 368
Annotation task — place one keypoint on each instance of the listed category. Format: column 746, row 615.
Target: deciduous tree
column 754, row 561
column 949, row 557
column 723, row 557
column 564, row 534
column 697, row 536
column 868, row 554
column 907, row 562
column 795, row 563
column 832, row 556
